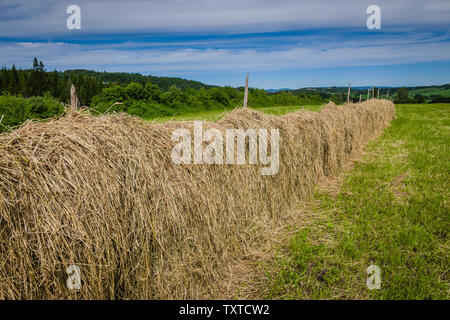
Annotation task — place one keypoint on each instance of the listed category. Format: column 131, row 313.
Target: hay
column 102, row 193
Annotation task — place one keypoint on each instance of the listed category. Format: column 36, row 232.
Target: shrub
column 16, row 110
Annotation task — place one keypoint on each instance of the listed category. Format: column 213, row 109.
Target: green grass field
column 427, row 92
column 392, row 211
column 216, row 115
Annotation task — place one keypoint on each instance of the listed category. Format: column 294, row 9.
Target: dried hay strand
column 102, row 193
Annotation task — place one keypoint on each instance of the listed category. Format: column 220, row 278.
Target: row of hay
column 102, row 193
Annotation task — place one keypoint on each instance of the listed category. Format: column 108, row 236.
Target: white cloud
column 335, row 35
column 184, row 60
column 47, row 18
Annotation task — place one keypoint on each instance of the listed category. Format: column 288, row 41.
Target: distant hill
column 432, row 91
column 277, row 90
column 427, row 91
column 164, row 83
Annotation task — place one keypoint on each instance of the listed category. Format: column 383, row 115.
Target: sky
column 282, row 44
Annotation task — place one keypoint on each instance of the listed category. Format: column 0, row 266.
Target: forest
column 38, row 94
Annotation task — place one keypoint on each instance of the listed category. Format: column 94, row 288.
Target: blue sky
column 282, row 44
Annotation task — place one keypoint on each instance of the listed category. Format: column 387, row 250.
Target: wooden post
column 360, row 98
column 348, row 94
column 373, row 92
column 73, row 98
column 368, row 94
column 246, row 92
column 378, row 94
column 387, row 95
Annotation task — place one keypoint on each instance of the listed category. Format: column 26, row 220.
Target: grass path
column 392, row 211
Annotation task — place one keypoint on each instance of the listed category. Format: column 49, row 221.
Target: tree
column 418, row 98
column 114, row 94
column 54, row 89
column 135, row 91
column 173, row 98
column 153, row 92
column 13, row 85
column 36, row 81
column 4, row 80
column 35, row 64
column 23, row 89
column 402, row 96
column 220, row 96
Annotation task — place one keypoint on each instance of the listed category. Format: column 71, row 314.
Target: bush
column 16, row 110
column 441, row 99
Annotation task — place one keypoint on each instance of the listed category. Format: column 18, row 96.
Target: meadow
column 431, row 91
column 308, row 233
column 391, row 210
column 102, row 193
column 216, row 115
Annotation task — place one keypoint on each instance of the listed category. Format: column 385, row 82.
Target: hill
column 432, row 91
column 164, row 83
column 422, row 94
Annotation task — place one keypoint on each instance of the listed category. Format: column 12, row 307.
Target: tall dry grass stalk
column 102, row 193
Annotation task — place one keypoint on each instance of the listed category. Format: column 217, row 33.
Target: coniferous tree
column 54, row 84
column 402, row 96
column 13, row 85
column 33, row 79
column 22, row 83
column 5, row 79
column 43, row 86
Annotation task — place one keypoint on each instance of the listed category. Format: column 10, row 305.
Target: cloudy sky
column 283, row 43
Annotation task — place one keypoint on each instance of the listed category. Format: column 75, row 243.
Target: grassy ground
column 391, row 211
column 216, row 115
column 430, row 91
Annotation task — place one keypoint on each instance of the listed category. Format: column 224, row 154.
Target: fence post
column 378, row 94
column 73, row 98
column 387, row 95
column 348, row 94
column 373, row 92
column 246, row 92
column 360, row 98
column 368, row 94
